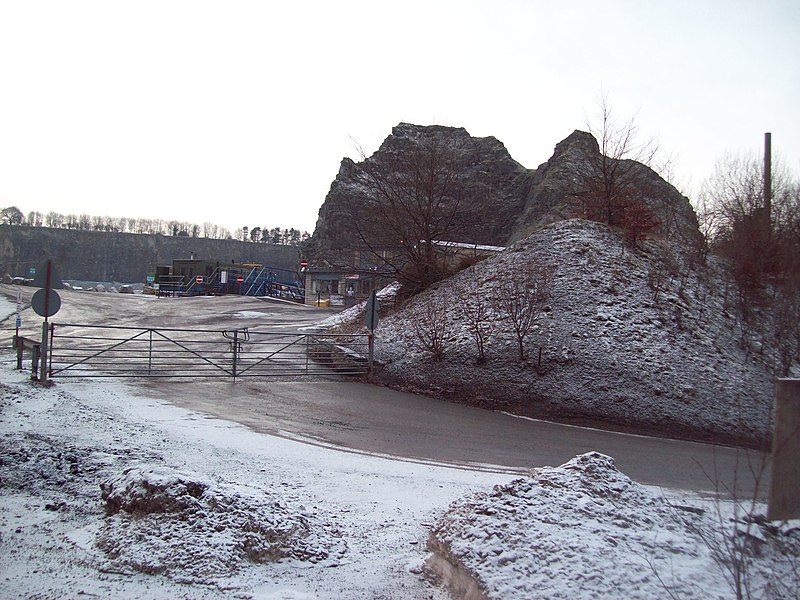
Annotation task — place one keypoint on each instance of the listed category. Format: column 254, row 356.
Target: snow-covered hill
column 637, row 338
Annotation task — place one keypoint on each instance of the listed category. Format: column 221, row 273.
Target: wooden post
column 784, row 496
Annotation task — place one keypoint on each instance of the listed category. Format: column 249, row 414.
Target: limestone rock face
column 502, row 200
column 552, row 191
column 488, row 180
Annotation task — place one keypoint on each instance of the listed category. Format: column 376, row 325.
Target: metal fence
column 79, row 350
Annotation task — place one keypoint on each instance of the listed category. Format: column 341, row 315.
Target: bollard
column 784, row 496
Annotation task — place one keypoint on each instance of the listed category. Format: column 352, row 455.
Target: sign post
column 16, row 332
column 371, row 321
column 45, row 303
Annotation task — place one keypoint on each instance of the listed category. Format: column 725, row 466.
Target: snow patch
column 184, row 526
column 586, row 530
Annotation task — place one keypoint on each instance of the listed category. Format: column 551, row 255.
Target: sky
column 239, row 113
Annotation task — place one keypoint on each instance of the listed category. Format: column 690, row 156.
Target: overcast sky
column 239, row 113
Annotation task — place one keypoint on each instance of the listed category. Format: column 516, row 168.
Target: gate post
column 19, row 345
column 150, row 353
column 50, row 351
column 235, row 351
column 45, row 352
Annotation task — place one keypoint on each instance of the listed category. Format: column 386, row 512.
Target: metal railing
column 80, row 350
column 255, row 281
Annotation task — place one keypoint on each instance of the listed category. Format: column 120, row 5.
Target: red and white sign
column 240, row 279
column 199, row 279
column 303, row 263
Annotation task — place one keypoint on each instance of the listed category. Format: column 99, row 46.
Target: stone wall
column 123, row 257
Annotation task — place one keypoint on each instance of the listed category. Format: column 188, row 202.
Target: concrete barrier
column 784, row 497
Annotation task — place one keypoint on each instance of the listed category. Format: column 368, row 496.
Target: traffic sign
column 371, row 313
column 199, row 279
column 240, row 279
column 44, row 304
column 303, row 263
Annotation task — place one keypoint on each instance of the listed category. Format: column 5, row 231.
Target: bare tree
column 409, row 204
column 475, row 307
column 613, row 193
column 521, row 297
column 761, row 242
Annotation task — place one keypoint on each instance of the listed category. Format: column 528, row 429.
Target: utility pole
column 768, row 181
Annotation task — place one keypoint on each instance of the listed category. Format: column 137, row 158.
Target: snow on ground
column 107, row 493
column 7, row 308
column 585, row 530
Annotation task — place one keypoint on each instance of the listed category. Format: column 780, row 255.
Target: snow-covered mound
column 585, row 530
column 181, row 525
column 639, row 338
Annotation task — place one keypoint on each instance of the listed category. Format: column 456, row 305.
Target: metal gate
column 79, row 350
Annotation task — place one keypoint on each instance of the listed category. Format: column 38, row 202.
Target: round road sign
column 199, row 279
column 303, row 263
column 40, row 298
column 240, row 279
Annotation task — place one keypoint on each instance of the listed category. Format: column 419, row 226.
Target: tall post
column 45, row 328
column 768, row 180
column 17, row 340
column 371, row 354
column 371, row 321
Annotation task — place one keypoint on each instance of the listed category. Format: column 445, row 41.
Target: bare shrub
column 521, row 297
column 431, row 326
column 475, row 308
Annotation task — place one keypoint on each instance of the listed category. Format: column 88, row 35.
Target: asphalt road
column 373, row 419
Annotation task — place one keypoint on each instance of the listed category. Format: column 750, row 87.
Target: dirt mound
column 186, row 527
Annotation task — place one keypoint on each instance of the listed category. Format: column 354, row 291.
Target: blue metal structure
column 244, row 280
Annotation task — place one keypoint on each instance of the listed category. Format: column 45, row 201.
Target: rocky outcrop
column 551, row 191
column 504, row 201
column 489, row 181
